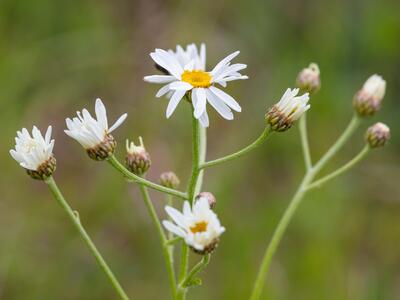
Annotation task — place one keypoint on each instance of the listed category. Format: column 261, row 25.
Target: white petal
column 224, row 62
column 174, row 229
column 219, row 105
column 204, row 119
column 200, row 103
column 180, row 85
column 101, row 113
column 48, row 134
column 159, row 78
column 176, row 216
column 174, row 101
column 161, row 92
column 226, row 98
column 118, row 123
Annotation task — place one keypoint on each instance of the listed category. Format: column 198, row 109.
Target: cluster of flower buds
column 368, row 100
column 137, row 158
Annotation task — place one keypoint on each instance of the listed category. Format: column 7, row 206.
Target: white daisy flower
column 198, row 226
column 187, row 73
column 94, row 134
column 289, row 109
column 35, row 153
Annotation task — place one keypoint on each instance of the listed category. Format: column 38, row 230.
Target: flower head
column 169, row 180
column 377, row 135
column 368, row 100
column 309, row 79
column 94, row 134
column 137, row 158
column 198, row 226
column 186, row 74
column 35, row 153
column 290, row 108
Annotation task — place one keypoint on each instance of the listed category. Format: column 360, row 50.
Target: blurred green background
column 57, row 56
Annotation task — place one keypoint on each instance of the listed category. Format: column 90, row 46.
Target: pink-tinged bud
column 377, row 135
column 169, row 180
column 309, row 79
column 137, row 158
column 368, row 100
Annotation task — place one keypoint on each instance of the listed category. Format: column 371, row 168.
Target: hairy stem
column 261, row 139
column 142, row 181
column 74, row 217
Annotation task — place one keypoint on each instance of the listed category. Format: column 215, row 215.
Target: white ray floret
column 198, row 226
column 292, row 106
column 375, row 87
column 32, row 151
column 88, row 131
column 187, row 74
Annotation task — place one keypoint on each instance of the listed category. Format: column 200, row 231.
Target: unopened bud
column 169, row 180
column 308, row 79
column 137, row 158
column 377, row 135
column 368, row 100
column 290, row 108
column 104, row 149
column 210, row 198
column 45, row 170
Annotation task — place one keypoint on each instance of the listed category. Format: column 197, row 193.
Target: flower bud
column 377, row 135
column 137, row 158
column 308, row 79
column 169, row 180
column 45, row 170
column 368, row 100
column 104, row 149
column 210, row 198
column 290, row 108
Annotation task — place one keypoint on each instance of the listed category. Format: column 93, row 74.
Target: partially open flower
column 210, row 198
column 198, row 226
column 94, row 134
column 309, row 79
column 377, row 135
column 137, row 158
column 169, row 180
column 290, row 108
column 35, row 153
column 368, row 100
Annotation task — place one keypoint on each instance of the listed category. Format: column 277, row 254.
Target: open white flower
column 290, row 108
column 94, row 134
column 198, row 226
column 33, row 151
column 186, row 72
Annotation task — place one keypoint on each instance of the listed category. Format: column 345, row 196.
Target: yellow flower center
column 199, row 227
column 198, row 79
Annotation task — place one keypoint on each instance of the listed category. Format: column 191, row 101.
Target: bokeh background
column 57, row 56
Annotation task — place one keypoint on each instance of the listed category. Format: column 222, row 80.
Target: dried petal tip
column 368, row 100
column 309, row 79
column 45, row 170
column 207, row 249
column 290, row 108
column 210, row 198
column 104, row 149
column 169, row 180
column 137, row 158
column 377, row 135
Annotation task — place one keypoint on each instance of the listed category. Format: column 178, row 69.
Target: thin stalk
column 293, row 205
column 341, row 170
column 163, row 239
column 261, row 139
column 196, row 269
column 304, row 141
column 194, row 185
column 170, row 236
column 77, row 224
column 142, row 181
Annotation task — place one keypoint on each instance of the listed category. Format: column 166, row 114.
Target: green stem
column 170, row 236
column 194, row 186
column 341, row 170
column 77, row 223
column 261, row 139
column 304, row 141
column 292, row 207
column 120, row 167
column 166, row 252
column 196, row 269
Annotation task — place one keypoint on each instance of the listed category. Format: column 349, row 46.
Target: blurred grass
column 58, row 56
